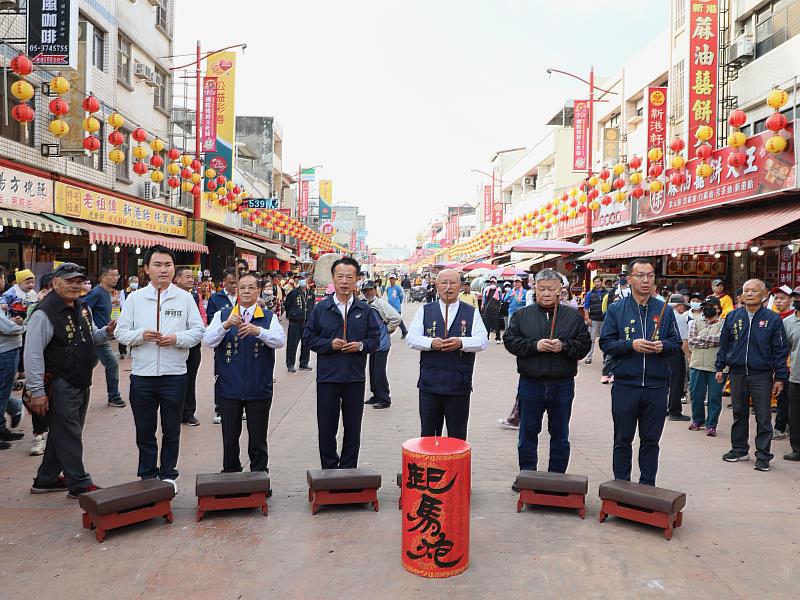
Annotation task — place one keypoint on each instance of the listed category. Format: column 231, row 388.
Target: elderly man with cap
column 299, row 304
column 447, row 333
column 394, row 294
column 60, row 343
column 703, row 386
column 677, row 360
column 388, row 320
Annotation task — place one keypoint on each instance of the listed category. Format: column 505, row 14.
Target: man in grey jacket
column 388, row 319
column 59, row 346
column 11, row 331
column 792, row 324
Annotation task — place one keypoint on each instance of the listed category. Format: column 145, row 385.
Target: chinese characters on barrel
column 428, row 516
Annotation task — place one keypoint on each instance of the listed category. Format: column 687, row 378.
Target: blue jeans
column 8, row 373
column 110, row 364
column 536, row 397
column 700, row 384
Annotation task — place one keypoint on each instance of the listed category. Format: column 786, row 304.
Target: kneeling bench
column 643, row 503
column 224, row 491
column 343, row 486
column 126, row 504
column 553, row 489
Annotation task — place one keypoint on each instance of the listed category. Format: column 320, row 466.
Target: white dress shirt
column 273, row 336
column 340, row 305
column 477, row 342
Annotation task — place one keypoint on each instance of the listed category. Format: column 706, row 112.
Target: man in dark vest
column 59, row 353
column 226, row 297
column 447, row 357
column 299, row 304
column 343, row 331
column 244, row 339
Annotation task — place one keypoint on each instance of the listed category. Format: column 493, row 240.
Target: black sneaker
column 680, row 418
column 305, row 368
column 761, row 465
column 117, row 403
column 77, row 492
column 7, row 435
column 382, row 405
column 291, row 369
column 733, row 456
column 792, row 456
column 59, row 485
column 370, row 401
column 515, row 487
column 4, row 445
column 191, row 421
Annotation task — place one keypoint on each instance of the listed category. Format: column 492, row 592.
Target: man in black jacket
column 548, row 340
column 299, row 304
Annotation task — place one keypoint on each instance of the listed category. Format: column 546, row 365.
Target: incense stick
column 344, row 331
column 446, row 319
column 158, row 307
column 654, row 335
column 553, row 322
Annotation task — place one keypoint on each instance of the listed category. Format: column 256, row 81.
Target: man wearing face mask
column 703, row 386
column 695, row 307
column 299, row 304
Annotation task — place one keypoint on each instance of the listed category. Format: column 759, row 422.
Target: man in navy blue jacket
column 753, row 344
column 343, row 331
column 226, row 297
column 639, row 333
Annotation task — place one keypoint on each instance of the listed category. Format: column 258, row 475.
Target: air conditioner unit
column 143, row 71
column 529, row 181
column 156, row 80
column 742, row 51
column 152, row 191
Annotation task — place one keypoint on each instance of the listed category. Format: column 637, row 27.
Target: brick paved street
column 740, row 537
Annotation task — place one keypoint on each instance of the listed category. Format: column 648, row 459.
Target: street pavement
column 740, row 538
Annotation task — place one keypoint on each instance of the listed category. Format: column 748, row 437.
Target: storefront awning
column 279, row 252
column 239, row 242
column 526, row 264
column 729, row 232
column 607, row 242
column 104, row 234
column 23, row 220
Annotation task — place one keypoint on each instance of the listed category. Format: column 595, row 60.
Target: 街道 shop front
column 741, row 222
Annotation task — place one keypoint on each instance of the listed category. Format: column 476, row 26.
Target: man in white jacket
column 159, row 342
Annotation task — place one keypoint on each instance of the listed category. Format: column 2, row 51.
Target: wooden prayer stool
column 226, row 491
column 343, row 486
column 553, row 489
column 125, row 504
column 643, row 503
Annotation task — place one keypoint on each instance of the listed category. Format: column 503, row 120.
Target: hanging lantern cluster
column 156, row 160
column 677, row 162
column 22, row 90
column 174, row 168
column 604, row 187
column 58, row 106
column 139, row 151
column 91, row 124
column 655, row 155
column 619, row 183
column 636, row 177
column 736, row 140
column 703, row 151
column 115, row 138
column 776, row 122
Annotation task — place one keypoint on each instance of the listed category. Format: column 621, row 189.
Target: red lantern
column 231, row 196
column 23, row 113
column 678, row 179
column 173, row 182
column 21, row 65
column 582, row 209
column 223, row 202
column 605, row 174
column 156, row 161
column 91, row 104
column 606, row 200
column 736, row 160
column 776, row 122
column 91, row 143
column 236, row 190
column 593, row 193
column 677, row 145
column 115, row 138
column 211, row 185
column 592, row 265
column 221, row 180
column 186, row 173
column 737, row 118
column 635, row 163
column 252, row 218
column 565, row 196
column 59, row 107
column 140, row 168
column 139, row 135
column 196, row 165
column 637, row 192
column 619, row 183
column 573, row 203
column 196, row 191
column 655, row 171
column 174, row 154
column 568, row 266
column 703, row 152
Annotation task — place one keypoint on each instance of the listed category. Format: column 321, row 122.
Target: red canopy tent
column 549, row 246
column 479, row 265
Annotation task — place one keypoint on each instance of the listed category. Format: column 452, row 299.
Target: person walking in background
column 184, row 279
column 792, row 325
column 396, row 296
column 466, row 296
column 388, row 319
column 492, row 303
column 677, row 360
column 299, row 304
column 226, row 297
column 725, row 301
column 594, row 315
column 11, row 330
column 133, row 285
column 703, row 341
column 782, row 304
column 514, row 298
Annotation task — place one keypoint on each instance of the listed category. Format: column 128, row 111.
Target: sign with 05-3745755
column 52, row 33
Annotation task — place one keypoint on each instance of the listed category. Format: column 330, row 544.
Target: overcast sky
column 399, row 100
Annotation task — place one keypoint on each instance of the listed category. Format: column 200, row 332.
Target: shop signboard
column 787, row 267
column 81, row 203
column 28, row 193
column 222, row 67
column 580, row 123
column 302, row 202
column 761, row 174
column 52, row 32
column 325, row 199
column 208, row 129
column 703, row 62
column 487, row 204
column 656, row 124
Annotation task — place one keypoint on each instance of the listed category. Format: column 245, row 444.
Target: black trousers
column 758, row 389
column 677, row 382
column 492, row 321
column 148, row 397
column 378, row 381
column 333, row 398
column 64, row 450
column 794, row 416
column 190, row 398
column 647, row 408
column 435, row 409
column 293, row 339
column 257, row 424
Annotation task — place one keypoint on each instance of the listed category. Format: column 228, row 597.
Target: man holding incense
column 343, row 331
column 548, row 341
column 639, row 333
column 447, row 333
column 159, row 323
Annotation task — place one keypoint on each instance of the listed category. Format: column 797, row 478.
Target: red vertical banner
column 656, row 123
column 580, row 124
column 497, row 213
column 353, row 240
column 487, row 204
column 208, row 132
column 302, row 202
column 703, row 63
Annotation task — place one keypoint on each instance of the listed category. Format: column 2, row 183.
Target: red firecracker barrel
column 436, row 495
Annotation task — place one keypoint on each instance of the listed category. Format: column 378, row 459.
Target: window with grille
column 160, row 97
column 776, row 23
column 99, row 49
column 124, row 60
column 677, row 86
column 162, row 15
column 679, row 10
